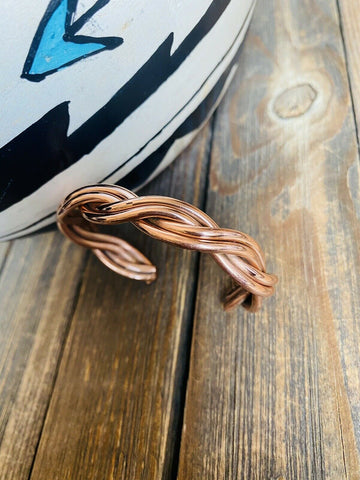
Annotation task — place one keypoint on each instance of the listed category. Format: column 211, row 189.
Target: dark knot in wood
column 172, row 221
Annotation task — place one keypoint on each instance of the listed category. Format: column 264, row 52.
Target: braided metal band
column 169, row 220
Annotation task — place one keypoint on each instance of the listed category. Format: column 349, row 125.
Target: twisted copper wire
column 169, row 220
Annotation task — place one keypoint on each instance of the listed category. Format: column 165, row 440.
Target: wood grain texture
column 114, row 413
column 350, row 21
column 38, row 288
column 276, row 395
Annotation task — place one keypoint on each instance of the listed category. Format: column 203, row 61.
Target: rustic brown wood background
column 106, row 378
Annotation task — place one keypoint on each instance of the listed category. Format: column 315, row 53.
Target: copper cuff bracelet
column 172, row 221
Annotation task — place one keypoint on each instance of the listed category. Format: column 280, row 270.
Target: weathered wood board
column 116, row 406
column 38, row 290
column 276, row 394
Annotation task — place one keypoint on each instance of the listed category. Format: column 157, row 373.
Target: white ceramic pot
column 104, row 91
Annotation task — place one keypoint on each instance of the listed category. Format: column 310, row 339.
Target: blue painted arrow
column 55, row 44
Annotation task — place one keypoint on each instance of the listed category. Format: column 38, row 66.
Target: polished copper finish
column 172, row 221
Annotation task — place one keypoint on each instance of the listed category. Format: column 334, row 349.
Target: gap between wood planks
column 346, row 57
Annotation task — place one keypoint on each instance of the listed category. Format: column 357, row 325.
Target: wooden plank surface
column 116, row 405
column 276, row 395
column 38, row 289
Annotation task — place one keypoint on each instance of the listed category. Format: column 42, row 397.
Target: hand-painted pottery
column 104, row 91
